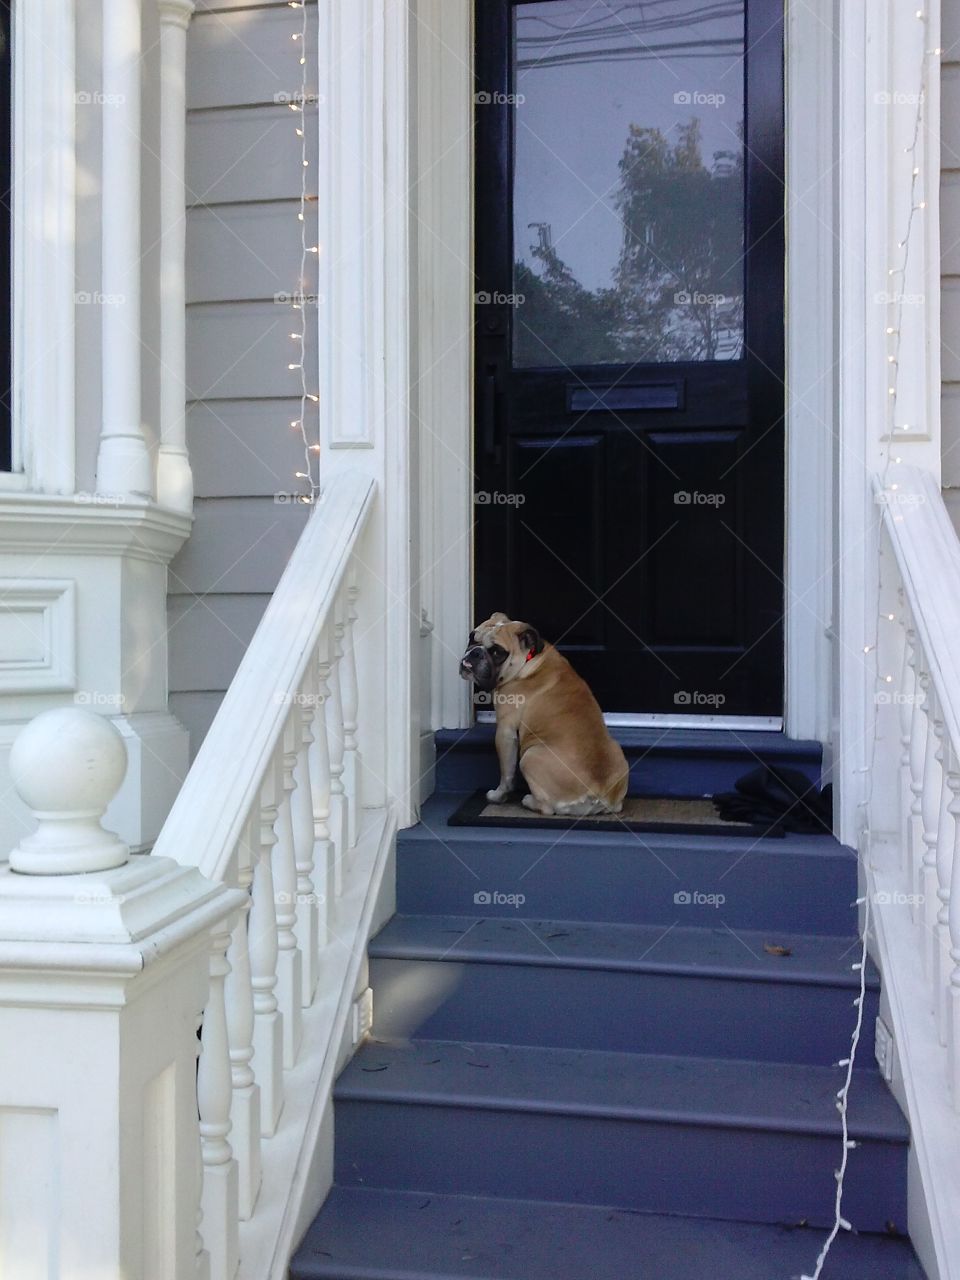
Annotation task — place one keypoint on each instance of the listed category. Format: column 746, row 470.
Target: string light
column 894, row 331
column 310, row 473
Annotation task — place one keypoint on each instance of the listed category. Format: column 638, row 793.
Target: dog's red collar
column 532, row 654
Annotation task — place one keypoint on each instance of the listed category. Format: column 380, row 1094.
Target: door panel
column 629, row 342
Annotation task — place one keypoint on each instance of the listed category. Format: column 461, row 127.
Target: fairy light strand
column 310, row 475
column 894, row 331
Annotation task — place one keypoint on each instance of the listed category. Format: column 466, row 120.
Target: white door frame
column 446, row 193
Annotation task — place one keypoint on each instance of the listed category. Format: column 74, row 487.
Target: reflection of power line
column 544, row 235
column 732, row 48
column 635, row 26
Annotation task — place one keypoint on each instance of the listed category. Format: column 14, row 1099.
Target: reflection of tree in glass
column 677, row 291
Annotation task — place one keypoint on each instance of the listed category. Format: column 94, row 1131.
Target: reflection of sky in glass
column 587, row 70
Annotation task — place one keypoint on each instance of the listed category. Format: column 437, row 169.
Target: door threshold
column 644, row 720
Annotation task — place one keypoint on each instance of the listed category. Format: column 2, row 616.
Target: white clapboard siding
column 208, row 638
column 245, row 57
column 245, row 448
column 950, row 254
column 247, row 251
column 239, row 544
column 244, row 175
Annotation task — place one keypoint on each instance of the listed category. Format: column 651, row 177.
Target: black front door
column 629, row 342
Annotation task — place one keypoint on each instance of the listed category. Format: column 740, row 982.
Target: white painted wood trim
column 810, row 355
column 53, row 605
column 124, row 467
column 445, row 330
column 174, row 477
column 44, row 236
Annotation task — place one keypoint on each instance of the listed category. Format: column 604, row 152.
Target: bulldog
column 548, row 723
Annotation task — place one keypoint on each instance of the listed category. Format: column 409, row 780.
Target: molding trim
column 40, row 613
column 44, row 236
column 89, row 524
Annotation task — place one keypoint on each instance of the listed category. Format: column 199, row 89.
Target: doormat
column 672, row 815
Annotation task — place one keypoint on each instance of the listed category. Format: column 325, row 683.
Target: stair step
column 799, row 884
column 663, row 762
column 696, row 1135
column 629, row 988
column 366, row 1234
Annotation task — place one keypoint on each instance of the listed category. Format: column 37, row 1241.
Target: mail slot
column 624, row 397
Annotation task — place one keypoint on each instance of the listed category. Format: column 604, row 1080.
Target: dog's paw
column 538, row 806
column 498, row 795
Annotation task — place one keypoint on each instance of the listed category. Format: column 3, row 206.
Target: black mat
column 670, row 815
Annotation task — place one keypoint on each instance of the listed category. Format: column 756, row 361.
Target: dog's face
column 498, row 650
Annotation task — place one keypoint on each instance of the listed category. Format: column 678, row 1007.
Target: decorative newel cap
column 67, row 765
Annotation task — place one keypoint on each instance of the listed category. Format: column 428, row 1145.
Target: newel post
column 103, row 973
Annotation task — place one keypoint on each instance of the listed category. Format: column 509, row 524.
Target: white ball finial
column 67, row 765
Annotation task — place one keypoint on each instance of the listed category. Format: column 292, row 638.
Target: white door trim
column 447, row 79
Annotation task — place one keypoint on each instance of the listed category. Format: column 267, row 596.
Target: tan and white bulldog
column 548, row 723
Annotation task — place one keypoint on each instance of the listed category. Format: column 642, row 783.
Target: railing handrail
column 204, row 824
column 927, row 552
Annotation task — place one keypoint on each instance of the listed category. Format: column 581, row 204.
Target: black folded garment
column 785, row 799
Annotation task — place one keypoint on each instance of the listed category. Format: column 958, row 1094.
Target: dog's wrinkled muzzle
column 476, row 665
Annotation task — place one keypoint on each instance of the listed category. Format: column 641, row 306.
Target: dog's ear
column 499, row 617
column 530, row 641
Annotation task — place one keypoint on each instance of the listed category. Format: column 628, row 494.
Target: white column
column 351, row 703
column 267, row 1018
column 304, row 839
column 289, row 962
column 123, row 462
column 174, row 477
column 325, row 852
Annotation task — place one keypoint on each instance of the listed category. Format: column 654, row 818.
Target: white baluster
column 338, row 800
column 946, row 845
column 220, row 1224
column 908, row 692
column 930, row 814
column 918, row 747
column 267, row 1019
column 301, row 814
column 202, row 1257
column 351, row 702
column 289, row 965
column 238, row 996
column 320, row 783
column 953, row 1011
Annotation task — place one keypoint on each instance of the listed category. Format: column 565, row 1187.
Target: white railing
column 919, row 708
column 271, row 806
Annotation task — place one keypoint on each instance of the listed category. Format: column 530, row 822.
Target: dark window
column 6, row 223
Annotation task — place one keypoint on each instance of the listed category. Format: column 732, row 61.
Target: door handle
column 490, row 422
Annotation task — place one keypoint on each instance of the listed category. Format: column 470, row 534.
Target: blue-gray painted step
column 800, row 884
column 697, row 1136
column 396, row 1235
column 663, row 762
column 641, row 989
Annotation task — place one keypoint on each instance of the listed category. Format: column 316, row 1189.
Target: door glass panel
column 628, row 199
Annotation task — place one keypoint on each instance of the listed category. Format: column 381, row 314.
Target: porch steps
column 584, row 1068
column 663, row 762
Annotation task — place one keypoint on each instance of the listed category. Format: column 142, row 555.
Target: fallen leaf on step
column 774, row 949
